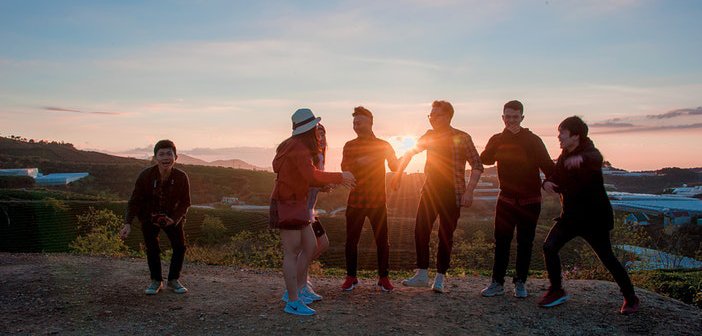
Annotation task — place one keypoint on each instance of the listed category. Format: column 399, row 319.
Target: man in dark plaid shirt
column 444, row 191
column 365, row 158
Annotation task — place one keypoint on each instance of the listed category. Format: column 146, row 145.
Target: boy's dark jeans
column 508, row 217
column 153, row 251
column 355, row 218
column 599, row 241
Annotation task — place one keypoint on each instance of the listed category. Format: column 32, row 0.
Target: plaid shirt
column 365, row 158
column 447, row 154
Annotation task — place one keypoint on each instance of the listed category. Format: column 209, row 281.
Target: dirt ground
column 76, row 295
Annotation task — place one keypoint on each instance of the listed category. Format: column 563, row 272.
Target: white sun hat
column 304, row 120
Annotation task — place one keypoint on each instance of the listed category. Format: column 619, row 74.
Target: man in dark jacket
column 586, row 212
column 519, row 154
column 160, row 200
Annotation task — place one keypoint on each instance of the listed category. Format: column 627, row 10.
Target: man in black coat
column 520, row 155
column 160, row 200
column 586, row 212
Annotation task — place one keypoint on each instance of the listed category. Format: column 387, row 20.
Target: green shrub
column 98, row 234
column 212, row 231
column 477, row 253
column 258, row 249
column 685, row 286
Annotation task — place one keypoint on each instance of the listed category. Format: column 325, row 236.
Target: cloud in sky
column 612, row 123
column 652, row 122
column 60, row 109
column 650, row 129
column 677, row 113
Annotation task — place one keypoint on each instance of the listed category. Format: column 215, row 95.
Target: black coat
column 519, row 158
column 145, row 198
column 583, row 196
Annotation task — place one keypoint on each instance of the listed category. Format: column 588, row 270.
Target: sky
column 222, row 78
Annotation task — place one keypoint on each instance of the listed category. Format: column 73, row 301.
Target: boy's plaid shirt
column 463, row 151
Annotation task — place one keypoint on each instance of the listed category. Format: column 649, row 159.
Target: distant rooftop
column 44, row 180
column 658, row 203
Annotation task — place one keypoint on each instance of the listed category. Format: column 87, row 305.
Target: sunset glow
column 221, row 79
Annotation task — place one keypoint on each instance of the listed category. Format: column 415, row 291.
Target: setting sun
column 402, row 143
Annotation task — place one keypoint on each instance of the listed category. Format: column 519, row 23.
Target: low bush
column 98, row 234
column 212, row 231
column 256, row 249
column 682, row 285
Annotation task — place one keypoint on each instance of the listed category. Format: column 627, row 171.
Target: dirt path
column 76, row 295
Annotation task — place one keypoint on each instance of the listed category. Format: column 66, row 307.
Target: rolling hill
column 112, row 177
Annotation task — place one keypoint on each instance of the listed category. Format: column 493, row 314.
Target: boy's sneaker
column 177, row 287
column 520, row 290
column 439, row 285
column 350, row 283
column 308, row 292
column 630, row 306
column 385, row 285
column 420, row 279
column 154, row 287
column 494, row 289
column 553, row 298
column 305, row 299
column 298, row 308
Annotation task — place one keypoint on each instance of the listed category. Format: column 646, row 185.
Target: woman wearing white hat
column 289, row 212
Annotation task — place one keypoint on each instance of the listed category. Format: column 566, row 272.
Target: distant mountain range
column 232, row 163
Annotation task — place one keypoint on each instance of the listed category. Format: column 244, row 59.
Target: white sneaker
column 439, row 283
column 493, row 289
column 307, row 291
column 520, row 290
column 154, row 287
column 298, row 308
column 420, row 279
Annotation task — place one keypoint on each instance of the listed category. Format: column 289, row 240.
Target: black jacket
column 583, row 196
column 145, row 197
column 519, row 158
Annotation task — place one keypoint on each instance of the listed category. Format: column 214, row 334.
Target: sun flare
column 402, row 143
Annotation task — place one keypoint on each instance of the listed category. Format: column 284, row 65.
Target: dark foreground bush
column 682, row 285
column 16, row 182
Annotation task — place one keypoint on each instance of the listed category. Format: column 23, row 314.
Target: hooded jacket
column 296, row 173
column 583, row 196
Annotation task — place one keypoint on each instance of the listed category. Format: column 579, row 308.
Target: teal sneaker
column 309, row 293
column 176, row 286
column 304, row 298
column 494, row 289
column 154, row 287
column 298, row 308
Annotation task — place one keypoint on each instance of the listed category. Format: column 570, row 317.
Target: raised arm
column 544, row 159
column 476, row 170
column 487, row 157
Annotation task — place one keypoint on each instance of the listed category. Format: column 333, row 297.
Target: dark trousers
column 153, row 251
column 509, row 215
column 430, row 206
column 600, row 243
column 355, row 218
